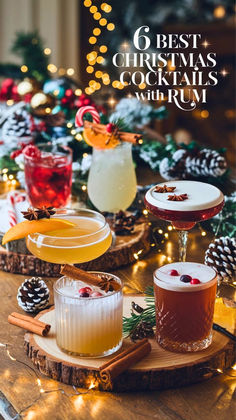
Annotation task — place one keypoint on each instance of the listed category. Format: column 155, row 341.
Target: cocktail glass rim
column 185, row 287
column 42, row 145
column 116, row 278
column 59, row 211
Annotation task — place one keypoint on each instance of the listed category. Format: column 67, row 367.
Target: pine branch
column 147, row 315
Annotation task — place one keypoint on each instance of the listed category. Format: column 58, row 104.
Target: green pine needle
column 148, row 314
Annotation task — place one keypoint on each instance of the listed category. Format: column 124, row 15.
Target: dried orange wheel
column 100, row 141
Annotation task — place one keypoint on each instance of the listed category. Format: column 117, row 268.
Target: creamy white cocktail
column 112, row 181
column 88, row 319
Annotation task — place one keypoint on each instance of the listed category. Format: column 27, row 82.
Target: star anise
column 164, row 189
column 106, row 284
column 30, row 214
column 45, row 212
column 38, row 213
column 175, row 197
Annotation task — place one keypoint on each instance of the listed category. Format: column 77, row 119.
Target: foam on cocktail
column 200, row 196
column 72, row 291
column 205, row 274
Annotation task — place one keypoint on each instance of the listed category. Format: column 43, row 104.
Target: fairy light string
column 5, row 346
column 96, row 56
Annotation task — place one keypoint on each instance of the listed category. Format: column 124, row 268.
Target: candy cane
column 14, row 198
column 84, row 110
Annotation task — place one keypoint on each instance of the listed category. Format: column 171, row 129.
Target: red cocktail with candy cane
column 184, row 203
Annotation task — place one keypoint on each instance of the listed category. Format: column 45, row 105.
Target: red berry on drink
column 110, row 127
column 173, row 273
column 32, row 151
column 15, row 153
column 195, row 281
column 185, row 278
column 96, row 294
column 84, row 294
column 85, row 290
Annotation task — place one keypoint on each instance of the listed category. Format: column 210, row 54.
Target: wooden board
column 161, row 369
column 121, row 254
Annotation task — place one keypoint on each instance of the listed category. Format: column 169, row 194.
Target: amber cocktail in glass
column 184, row 297
column 89, row 238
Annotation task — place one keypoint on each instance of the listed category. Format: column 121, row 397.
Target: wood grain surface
column 211, row 400
column 161, row 369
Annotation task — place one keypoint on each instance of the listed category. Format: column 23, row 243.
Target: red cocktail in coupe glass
column 184, row 299
column 203, row 202
column 48, row 175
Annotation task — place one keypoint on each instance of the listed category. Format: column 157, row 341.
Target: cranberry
column 15, row 153
column 84, row 294
column 85, row 290
column 96, row 294
column 195, row 281
column 32, row 151
column 185, row 278
column 173, row 273
column 110, row 127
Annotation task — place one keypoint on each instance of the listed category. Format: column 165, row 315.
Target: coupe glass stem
column 183, row 239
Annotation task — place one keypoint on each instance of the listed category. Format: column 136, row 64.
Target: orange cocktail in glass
column 89, row 238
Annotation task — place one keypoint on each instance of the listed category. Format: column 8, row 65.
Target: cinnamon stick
column 27, row 323
column 123, row 361
column 101, row 129
column 89, row 278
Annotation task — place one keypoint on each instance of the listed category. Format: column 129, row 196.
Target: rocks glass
column 87, row 326
column 184, row 298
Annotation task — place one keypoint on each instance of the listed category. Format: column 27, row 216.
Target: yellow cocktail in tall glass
column 89, row 238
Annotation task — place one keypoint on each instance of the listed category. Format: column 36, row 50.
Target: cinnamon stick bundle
column 122, row 136
column 123, row 361
column 89, row 278
column 27, row 323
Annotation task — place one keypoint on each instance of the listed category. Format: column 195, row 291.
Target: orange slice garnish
column 99, row 140
column 22, row 229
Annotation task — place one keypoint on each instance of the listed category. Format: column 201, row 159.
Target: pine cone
column 184, row 165
column 221, row 255
column 142, row 330
column 33, row 295
column 176, row 169
column 18, row 124
column 206, row 163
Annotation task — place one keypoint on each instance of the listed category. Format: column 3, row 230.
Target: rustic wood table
column 213, row 399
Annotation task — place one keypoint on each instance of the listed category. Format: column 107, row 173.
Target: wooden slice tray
column 161, row 369
column 119, row 255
